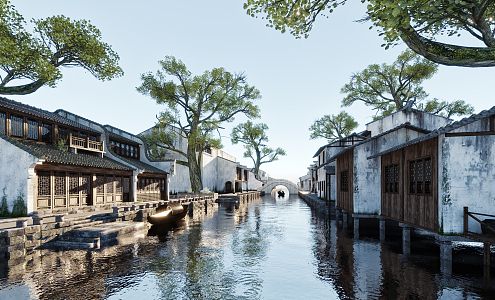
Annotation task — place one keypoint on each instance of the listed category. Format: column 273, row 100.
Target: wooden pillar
column 24, row 128
column 40, row 131
column 382, row 229
column 486, row 264
column 8, row 124
column 356, row 227
column 93, row 189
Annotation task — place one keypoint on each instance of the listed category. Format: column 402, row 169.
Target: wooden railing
column 468, row 214
column 85, row 144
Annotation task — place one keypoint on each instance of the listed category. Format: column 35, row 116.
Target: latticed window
column 59, row 184
column 83, row 135
column 74, row 133
column 3, row 123
column 73, row 184
column 85, row 184
column 46, row 133
column 162, row 185
column 118, row 185
column 420, row 176
column 44, row 184
column 392, row 178
column 109, row 184
column 126, row 184
column 344, row 181
column 100, row 184
column 17, row 126
column 32, row 129
column 93, row 138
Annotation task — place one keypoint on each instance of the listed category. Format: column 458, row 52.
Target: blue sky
column 299, row 80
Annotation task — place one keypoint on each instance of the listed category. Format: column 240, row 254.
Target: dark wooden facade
column 410, row 185
column 65, row 186
column 345, row 167
column 152, row 187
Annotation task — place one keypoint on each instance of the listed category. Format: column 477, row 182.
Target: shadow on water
column 273, row 248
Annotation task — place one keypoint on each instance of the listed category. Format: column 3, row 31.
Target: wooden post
column 466, row 220
column 87, row 142
column 486, row 255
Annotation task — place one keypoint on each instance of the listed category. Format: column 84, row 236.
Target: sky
column 299, row 79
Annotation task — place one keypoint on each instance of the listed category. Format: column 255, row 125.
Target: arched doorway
column 238, row 187
column 228, row 187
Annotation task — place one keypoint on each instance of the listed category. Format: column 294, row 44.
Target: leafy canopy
column 196, row 106
column 55, row 42
column 254, row 138
column 388, row 88
column 333, row 127
column 417, row 23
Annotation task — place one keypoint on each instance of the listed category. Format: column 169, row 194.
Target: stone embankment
column 319, row 205
column 83, row 229
column 240, row 198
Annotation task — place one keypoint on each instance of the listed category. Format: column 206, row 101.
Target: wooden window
column 46, row 133
column 100, row 184
column 126, row 184
column 3, row 123
column 32, row 129
column 17, row 126
column 73, row 184
column 391, row 179
column 85, row 184
column 74, row 133
column 118, row 185
column 59, row 184
column 93, row 138
column 420, row 176
column 44, row 184
column 83, row 135
column 109, row 184
column 162, row 185
column 344, row 181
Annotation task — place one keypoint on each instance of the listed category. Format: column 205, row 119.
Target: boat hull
column 157, row 220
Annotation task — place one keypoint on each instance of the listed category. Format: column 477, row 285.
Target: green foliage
column 388, row 88
column 19, row 209
column 4, row 207
column 57, row 41
column 254, row 138
column 333, row 127
column 60, row 144
column 417, row 23
column 196, row 106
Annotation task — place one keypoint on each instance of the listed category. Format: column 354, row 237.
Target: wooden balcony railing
column 85, row 144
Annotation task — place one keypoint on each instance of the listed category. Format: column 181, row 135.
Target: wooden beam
column 492, row 123
column 474, row 133
column 82, row 169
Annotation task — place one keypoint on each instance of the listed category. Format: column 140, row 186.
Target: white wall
column 367, row 181
column 415, row 117
column 466, row 178
column 14, row 174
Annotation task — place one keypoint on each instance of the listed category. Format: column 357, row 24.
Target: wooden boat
column 281, row 193
column 169, row 213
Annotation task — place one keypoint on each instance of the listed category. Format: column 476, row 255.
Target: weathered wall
column 253, row 183
column 466, row 178
column 226, row 172
column 14, row 174
column 415, row 117
column 180, row 182
column 209, row 172
column 367, row 192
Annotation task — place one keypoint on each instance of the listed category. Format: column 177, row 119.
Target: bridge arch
column 272, row 183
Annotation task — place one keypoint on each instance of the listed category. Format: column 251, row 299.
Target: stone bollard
column 21, row 223
column 59, row 218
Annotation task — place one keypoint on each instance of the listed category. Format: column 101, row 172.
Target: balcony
column 85, row 144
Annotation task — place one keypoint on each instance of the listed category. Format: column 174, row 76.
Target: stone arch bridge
column 272, row 183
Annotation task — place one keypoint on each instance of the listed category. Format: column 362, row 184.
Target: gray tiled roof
column 342, row 139
column 52, row 154
column 405, row 125
column 441, row 130
column 143, row 166
column 40, row 113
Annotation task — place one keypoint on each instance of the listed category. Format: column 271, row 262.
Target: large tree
column 196, row 106
column 388, row 88
column 254, row 138
column 417, row 23
column 333, row 127
column 57, row 41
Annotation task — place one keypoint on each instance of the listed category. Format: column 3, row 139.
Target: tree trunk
column 194, row 169
column 448, row 55
column 22, row 89
column 258, row 161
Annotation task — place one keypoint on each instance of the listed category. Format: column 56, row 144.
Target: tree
column 254, row 138
column 417, row 23
column 57, row 41
column 196, row 106
column 388, row 88
column 333, row 127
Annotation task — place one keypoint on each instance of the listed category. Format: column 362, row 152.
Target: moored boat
column 169, row 213
column 281, row 193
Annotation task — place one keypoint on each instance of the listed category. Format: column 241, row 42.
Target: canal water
column 272, row 248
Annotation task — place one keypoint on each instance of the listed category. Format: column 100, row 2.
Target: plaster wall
column 253, row 183
column 415, row 117
column 180, row 182
column 15, row 176
column 228, row 168
column 367, row 181
column 466, row 178
column 209, row 172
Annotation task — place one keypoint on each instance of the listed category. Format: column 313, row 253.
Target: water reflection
column 267, row 249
